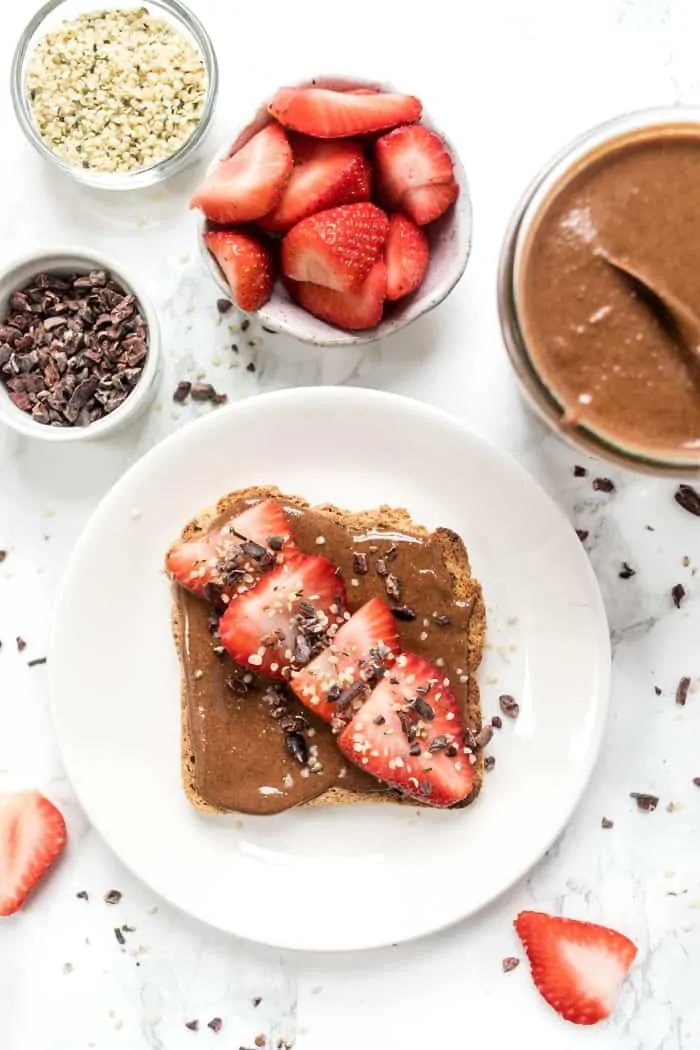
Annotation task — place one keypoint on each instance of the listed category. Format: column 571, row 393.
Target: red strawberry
column 409, row 733
column 335, row 248
column 325, row 174
column 364, row 643
column 327, row 114
column 212, row 556
column 351, row 310
column 412, row 158
column 248, row 184
column 32, row 835
column 424, row 204
column 264, row 628
column 247, row 266
column 578, row 967
column 407, row 256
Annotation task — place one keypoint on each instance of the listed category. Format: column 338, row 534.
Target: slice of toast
column 382, row 520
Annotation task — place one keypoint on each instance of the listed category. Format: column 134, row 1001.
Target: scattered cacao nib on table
column 3, row 555
column 657, row 690
column 192, row 1025
column 582, row 534
column 645, row 802
column 112, row 897
column 607, row 824
column 21, row 644
column 603, row 485
column 580, row 472
column 682, row 690
column 696, row 781
column 511, row 962
column 626, row 572
column 72, row 347
column 678, row 594
column 216, row 1024
column 223, row 305
column 689, row 499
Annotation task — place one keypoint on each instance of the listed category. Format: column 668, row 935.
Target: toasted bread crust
column 465, row 588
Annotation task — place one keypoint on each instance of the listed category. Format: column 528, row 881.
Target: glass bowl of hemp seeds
column 116, row 95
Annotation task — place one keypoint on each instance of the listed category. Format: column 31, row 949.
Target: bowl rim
column 336, row 336
column 136, row 400
column 539, row 398
column 118, row 181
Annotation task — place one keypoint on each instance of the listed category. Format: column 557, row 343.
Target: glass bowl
column 48, row 18
column 544, row 403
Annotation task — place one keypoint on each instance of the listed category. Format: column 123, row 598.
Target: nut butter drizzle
column 255, row 749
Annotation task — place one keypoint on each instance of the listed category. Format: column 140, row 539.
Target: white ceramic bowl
column 450, row 243
column 64, row 261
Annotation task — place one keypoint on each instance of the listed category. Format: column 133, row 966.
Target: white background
column 510, row 83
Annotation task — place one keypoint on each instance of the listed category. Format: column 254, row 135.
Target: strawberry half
column 246, row 185
column 407, row 256
column 358, row 653
column 247, row 266
column 424, row 204
column 409, row 733
column 355, row 310
column 325, row 175
column 413, row 158
column 32, row 836
column 336, row 248
column 327, row 114
column 578, row 967
column 282, row 622
column 219, row 557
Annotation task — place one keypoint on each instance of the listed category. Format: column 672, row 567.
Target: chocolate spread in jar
column 239, row 758
column 607, row 349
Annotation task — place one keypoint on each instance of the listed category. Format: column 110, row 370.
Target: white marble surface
column 510, row 82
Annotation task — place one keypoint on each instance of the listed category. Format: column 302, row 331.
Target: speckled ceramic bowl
column 450, row 244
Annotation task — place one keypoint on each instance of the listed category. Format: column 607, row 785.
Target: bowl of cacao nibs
column 79, row 347
column 115, row 94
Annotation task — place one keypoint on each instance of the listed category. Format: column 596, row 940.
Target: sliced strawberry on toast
column 354, row 310
column 410, row 734
column 358, row 653
column 413, row 158
column 325, row 175
column 248, row 184
column 327, row 114
column 407, row 256
column 32, row 836
column 247, row 266
column 281, row 623
column 219, row 557
column 578, row 967
column 336, row 248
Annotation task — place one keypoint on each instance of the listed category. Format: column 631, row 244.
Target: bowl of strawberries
column 339, row 215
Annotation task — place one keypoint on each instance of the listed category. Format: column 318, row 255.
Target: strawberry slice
column 336, row 248
column 32, row 835
column 326, row 114
column 351, row 310
column 325, row 175
column 283, row 621
column 218, row 557
column 358, row 653
column 407, row 256
column 424, row 204
column 413, row 158
column 578, row 967
column 246, row 185
column 247, row 265
column 409, row 733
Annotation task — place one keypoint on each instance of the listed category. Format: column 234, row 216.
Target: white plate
column 279, row 880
